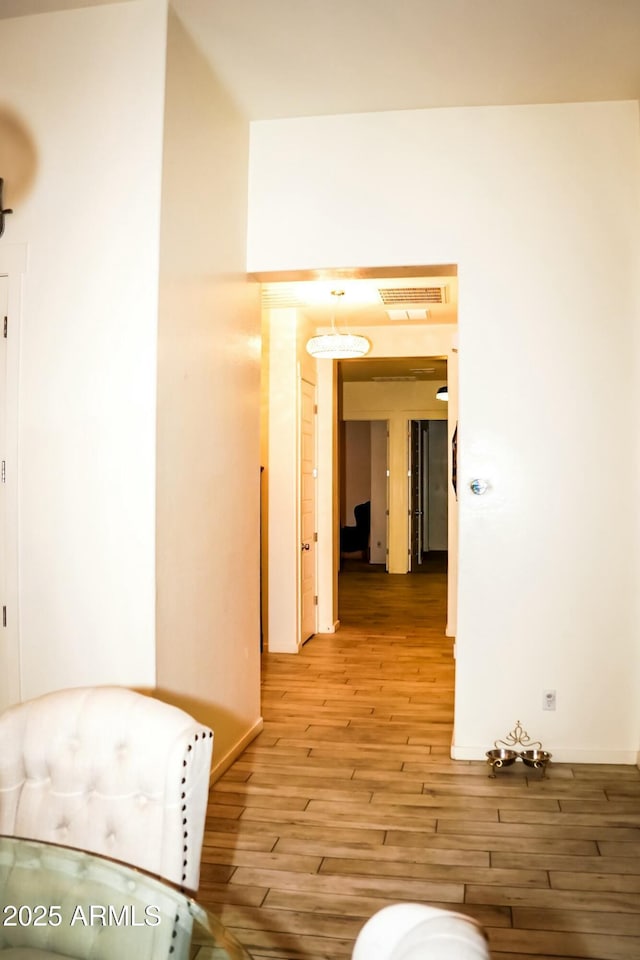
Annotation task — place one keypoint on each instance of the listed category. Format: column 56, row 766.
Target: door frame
column 312, row 542
column 328, row 519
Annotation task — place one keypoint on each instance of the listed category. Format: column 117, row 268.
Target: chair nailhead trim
column 183, row 796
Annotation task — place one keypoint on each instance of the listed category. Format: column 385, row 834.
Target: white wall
column 88, row 87
column 539, row 207
column 357, row 467
column 282, row 473
column 328, row 503
column 208, row 618
column 378, row 547
column 288, row 362
column 436, row 475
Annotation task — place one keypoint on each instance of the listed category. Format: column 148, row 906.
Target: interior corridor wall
column 539, row 208
column 208, row 487
column 288, row 365
column 357, row 467
column 379, row 491
column 87, row 87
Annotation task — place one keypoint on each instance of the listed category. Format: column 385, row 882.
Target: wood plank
column 351, row 885
column 386, row 853
column 601, row 901
column 543, row 942
column 365, row 907
column 625, row 924
column 435, row 871
column 575, row 864
column 487, row 840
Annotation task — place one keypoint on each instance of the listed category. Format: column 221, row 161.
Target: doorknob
column 479, row 486
column 305, row 546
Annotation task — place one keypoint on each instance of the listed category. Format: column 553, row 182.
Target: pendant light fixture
column 337, row 346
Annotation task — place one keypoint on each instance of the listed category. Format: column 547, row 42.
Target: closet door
column 9, row 677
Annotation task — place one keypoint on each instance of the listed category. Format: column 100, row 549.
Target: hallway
column 348, row 801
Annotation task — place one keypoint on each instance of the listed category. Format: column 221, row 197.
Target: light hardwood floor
column 348, row 801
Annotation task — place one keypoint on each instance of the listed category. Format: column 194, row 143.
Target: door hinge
column 315, row 601
column 6, row 326
column 4, row 616
column 315, row 408
column 315, row 538
column 386, row 513
column 3, row 475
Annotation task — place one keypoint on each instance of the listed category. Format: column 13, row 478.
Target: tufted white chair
column 413, row 931
column 110, row 771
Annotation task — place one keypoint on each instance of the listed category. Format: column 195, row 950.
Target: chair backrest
column 110, row 771
column 362, row 513
column 413, row 931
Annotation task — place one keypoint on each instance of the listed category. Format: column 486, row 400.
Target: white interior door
column 438, row 488
column 416, row 490
column 378, row 551
column 307, row 576
column 6, row 665
column 13, row 264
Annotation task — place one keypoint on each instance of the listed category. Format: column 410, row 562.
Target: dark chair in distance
column 356, row 539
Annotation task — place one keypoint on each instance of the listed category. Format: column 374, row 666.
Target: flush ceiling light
column 337, row 346
column 442, row 393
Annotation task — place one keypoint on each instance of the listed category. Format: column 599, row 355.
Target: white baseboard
column 559, row 755
column 225, row 762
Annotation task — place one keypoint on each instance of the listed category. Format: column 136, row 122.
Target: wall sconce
column 3, row 211
column 442, row 393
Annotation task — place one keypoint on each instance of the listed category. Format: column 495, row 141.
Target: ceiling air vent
column 279, row 297
column 393, row 295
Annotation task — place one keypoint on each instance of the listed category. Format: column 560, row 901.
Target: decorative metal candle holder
column 504, row 753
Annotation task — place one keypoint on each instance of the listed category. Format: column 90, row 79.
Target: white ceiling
column 398, row 368
column 286, row 58
column 363, row 301
column 410, row 300
column 23, row 8
column 289, row 58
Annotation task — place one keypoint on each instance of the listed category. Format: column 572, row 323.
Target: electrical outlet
column 549, row 700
